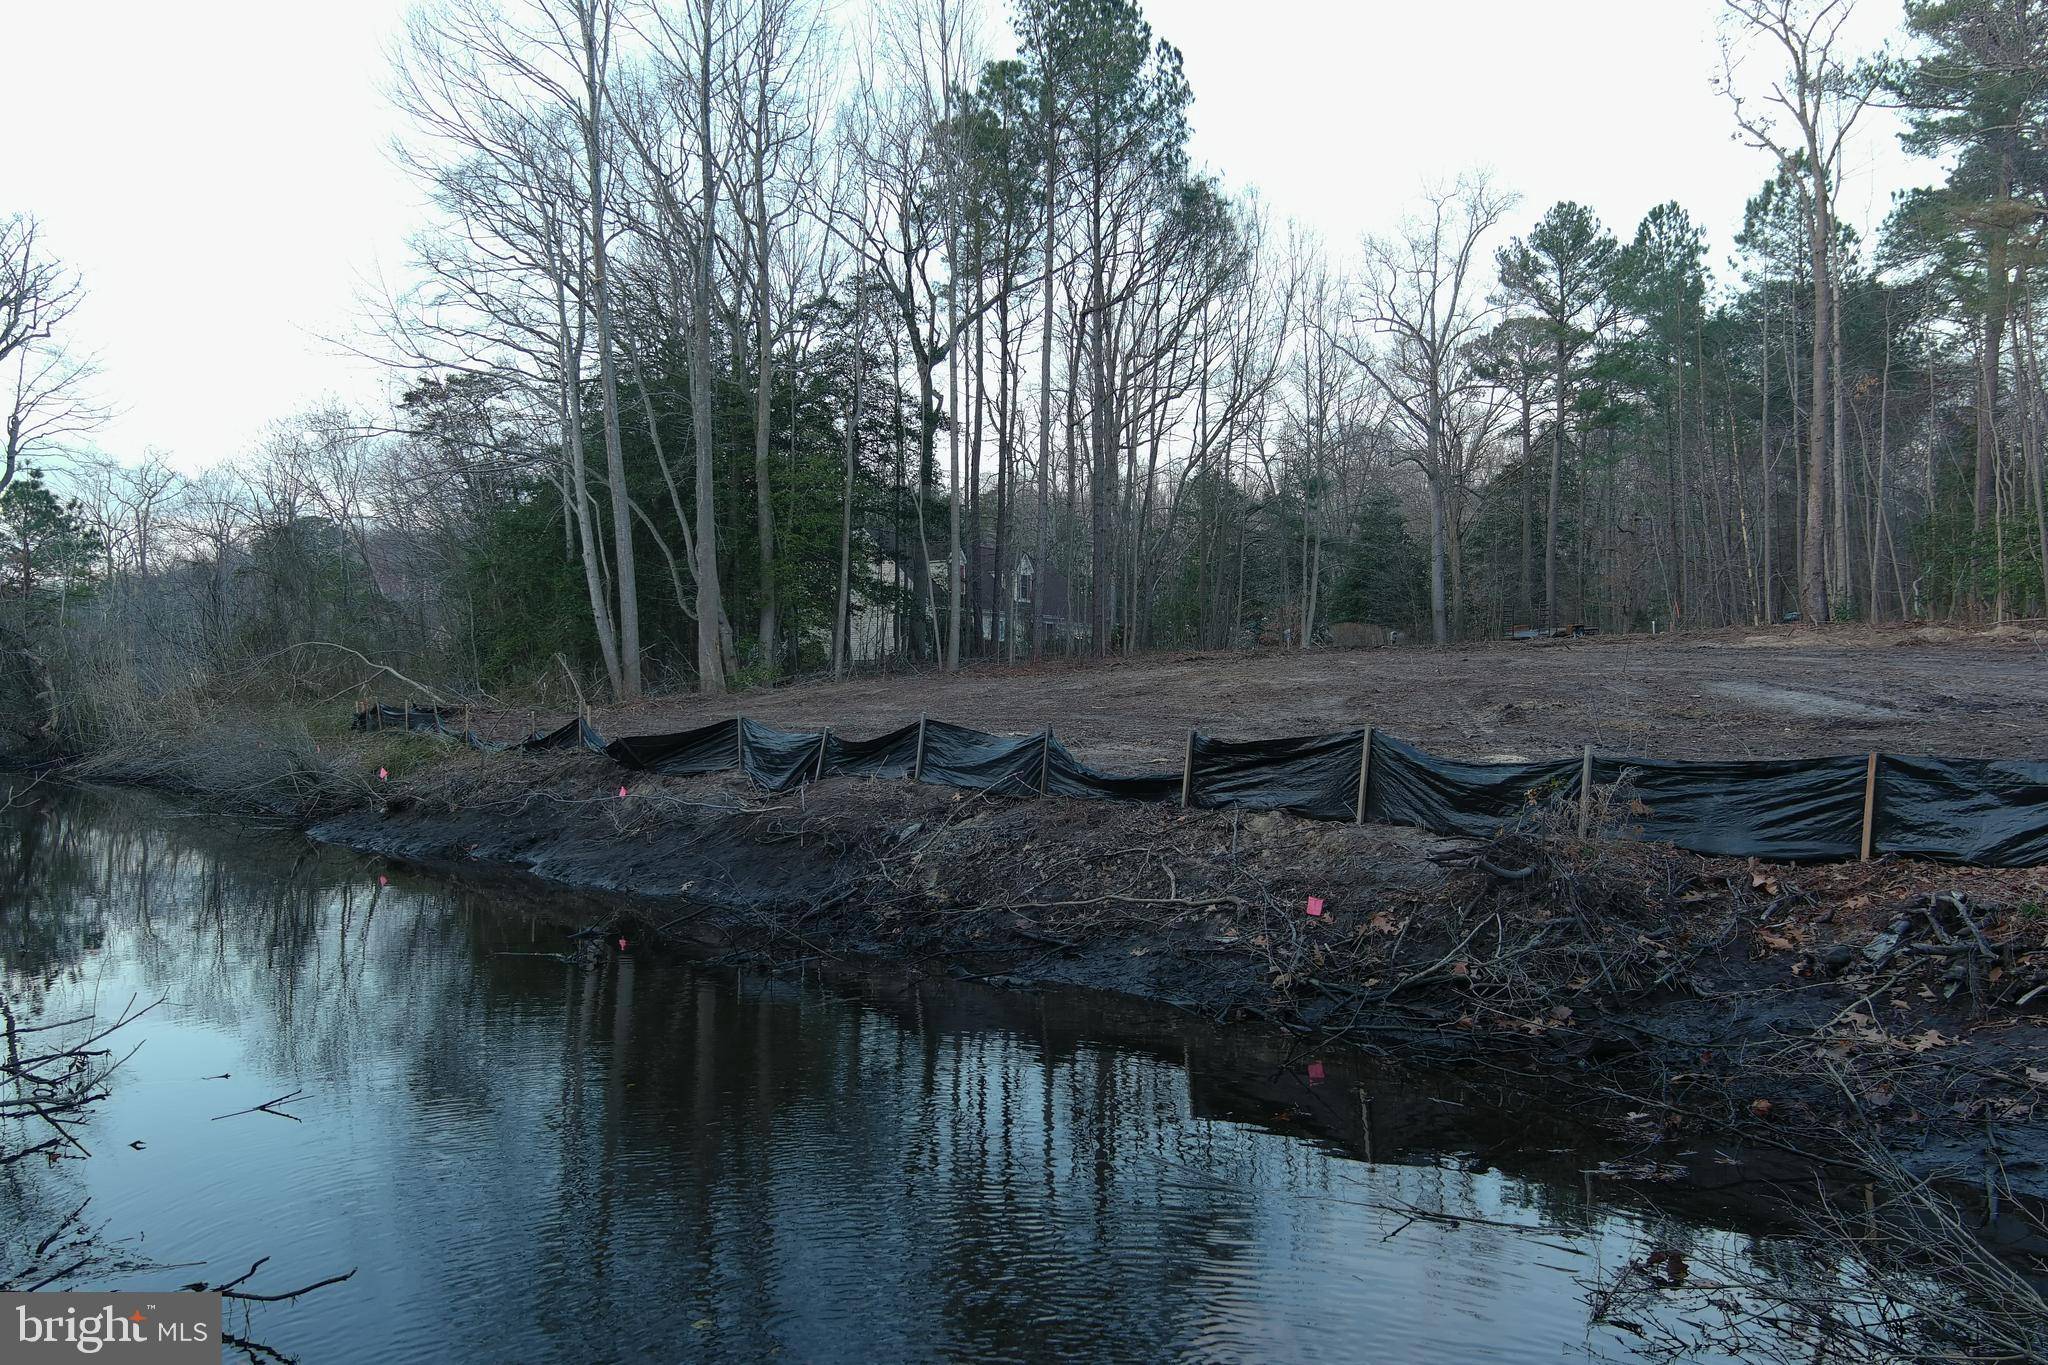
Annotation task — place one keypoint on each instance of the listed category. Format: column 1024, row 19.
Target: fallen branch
column 267, row 1107
column 231, row 1289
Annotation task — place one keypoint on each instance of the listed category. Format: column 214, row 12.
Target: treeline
column 748, row 337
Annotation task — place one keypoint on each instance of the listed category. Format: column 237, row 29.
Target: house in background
column 877, row 629
column 1040, row 593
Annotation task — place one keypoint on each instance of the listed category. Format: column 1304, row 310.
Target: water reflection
column 655, row 1161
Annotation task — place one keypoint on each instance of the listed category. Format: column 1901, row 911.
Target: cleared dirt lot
column 1780, row 693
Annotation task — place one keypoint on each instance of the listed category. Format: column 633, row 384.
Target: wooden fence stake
column 1586, row 793
column 739, row 741
column 824, row 742
column 917, row 768
column 1364, row 772
column 467, row 731
column 1869, row 805
column 1044, row 757
column 408, row 715
column 1187, row 773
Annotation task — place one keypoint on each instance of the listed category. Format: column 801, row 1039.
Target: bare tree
column 1419, row 291
column 48, row 389
column 506, row 286
column 1822, row 92
column 521, row 98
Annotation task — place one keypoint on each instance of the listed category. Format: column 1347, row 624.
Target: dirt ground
column 1778, row 693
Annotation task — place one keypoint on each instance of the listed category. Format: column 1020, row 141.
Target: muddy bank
column 1671, row 997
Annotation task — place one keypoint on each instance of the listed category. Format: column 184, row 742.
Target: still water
column 654, row 1159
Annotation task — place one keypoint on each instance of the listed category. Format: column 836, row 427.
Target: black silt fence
column 1980, row 812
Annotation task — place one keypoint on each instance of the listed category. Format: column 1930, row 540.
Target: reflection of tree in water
column 618, row 1154
column 50, row 914
column 818, row 1174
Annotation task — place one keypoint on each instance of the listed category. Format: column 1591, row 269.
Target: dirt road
column 1783, row 693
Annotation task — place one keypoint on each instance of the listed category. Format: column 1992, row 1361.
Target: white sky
column 218, row 171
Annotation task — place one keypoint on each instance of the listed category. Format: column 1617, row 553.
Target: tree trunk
column 710, row 602
column 842, row 606
column 627, row 685
column 1556, row 479
column 1813, row 582
column 764, row 394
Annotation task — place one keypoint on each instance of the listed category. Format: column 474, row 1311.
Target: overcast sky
column 218, row 170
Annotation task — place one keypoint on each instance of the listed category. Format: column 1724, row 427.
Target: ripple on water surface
column 653, row 1161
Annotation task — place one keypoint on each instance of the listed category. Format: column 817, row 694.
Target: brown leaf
column 1760, row 1108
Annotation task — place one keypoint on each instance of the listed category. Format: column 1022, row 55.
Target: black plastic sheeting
column 1981, row 812
column 1066, row 775
column 426, row 719
column 780, row 760
column 1445, row 796
column 572, row 734
column 1315, row 775
column 1794, row 810
column 712, row 748
column 955, row 756
column 890, row 755
column 1986, row 812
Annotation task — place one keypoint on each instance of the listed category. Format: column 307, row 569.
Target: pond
column 646, row 1157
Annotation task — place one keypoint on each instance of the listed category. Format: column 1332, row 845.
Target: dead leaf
column 1760, row 1108
column 1928, row 1041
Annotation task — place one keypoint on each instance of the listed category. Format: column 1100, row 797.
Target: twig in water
column 267, row 1107
column 231, row 1289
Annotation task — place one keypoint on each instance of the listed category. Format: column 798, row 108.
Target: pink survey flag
column 383, row 776
column 1315, row 905
column 1315, row 1072
column 622, row 791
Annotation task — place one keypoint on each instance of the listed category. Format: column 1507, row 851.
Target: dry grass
column 1908, row 1272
